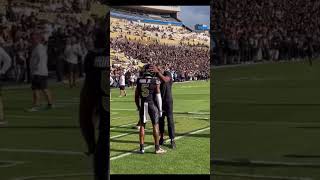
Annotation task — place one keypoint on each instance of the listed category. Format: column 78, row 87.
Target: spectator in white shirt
column 122, row 85
column 39, row 72
column 72, row 52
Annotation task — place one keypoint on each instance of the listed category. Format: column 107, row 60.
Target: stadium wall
column 134, row 18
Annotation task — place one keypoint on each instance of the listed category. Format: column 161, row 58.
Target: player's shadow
column 130, row 142
column 301, row 156
column 308, row 127
column 133, row 151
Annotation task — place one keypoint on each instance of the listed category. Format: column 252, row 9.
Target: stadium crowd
column 66, row 37
column 253, row 30
column 143, row 43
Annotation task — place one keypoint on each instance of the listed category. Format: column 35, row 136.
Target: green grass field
column 191, row 115
column 266, row 122
column 42, row 145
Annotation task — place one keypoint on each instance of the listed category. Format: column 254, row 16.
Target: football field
column 266, row 122
column 46, row 144
column 191, row 116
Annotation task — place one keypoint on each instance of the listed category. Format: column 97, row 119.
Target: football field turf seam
column 150, row 146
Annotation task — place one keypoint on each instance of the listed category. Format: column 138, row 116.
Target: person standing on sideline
column 39, row 72
column 122, row 84
column 6, row 60
column 71, row 54
column 167, row 104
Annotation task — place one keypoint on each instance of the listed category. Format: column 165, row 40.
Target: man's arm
column 161, row 76
column 159, row 99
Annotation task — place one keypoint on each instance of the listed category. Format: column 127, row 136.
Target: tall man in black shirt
column 167, row 104
column 94, row 104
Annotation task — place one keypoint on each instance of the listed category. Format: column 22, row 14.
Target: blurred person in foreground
column 94, row 103
column 5, row 60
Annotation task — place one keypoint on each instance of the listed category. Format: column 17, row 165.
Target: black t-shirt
column 96, row 64
column 147, row 88
column 165, row 88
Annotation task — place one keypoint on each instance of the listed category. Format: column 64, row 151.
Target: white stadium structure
column 165, row 15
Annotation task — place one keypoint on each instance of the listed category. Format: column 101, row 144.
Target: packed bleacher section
column 22, row 18
column 134, row 43
column 253, row 30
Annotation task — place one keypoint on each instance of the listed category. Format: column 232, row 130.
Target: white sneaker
column 160, row 151
column 34, row 109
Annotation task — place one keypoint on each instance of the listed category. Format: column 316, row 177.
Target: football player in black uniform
column 94, row 104
column 148, row 101
column 167, row 104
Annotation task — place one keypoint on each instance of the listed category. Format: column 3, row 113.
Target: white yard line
column 10, row 163
column 150, row 146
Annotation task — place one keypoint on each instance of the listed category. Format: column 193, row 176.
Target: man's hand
column 154, row 69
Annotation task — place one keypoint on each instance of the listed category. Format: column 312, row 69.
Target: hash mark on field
column 150, row 146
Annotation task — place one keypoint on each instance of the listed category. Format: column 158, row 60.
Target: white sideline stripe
column 125, row 125
column 53, row 176
column 150, row 146
column 261, row 176
column 12, row 163
column 120, row 135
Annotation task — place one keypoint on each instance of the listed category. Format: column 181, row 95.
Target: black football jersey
column 147, row 88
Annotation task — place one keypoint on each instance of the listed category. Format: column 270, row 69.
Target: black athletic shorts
column 153, row 113
column 39, row 82
column 72, row 68
column 122, row 87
